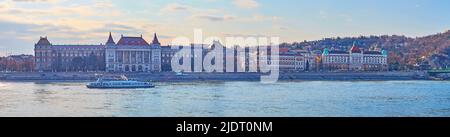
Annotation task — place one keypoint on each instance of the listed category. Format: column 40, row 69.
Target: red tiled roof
column 284, row 49
column 132, row 41
column 355, row 49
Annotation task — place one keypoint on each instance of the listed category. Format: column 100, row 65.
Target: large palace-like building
column 49, row 57
column 354, row 60
column 130, row 54
column 133, row 54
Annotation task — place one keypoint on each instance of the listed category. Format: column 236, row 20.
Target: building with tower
column 129, row 54
column 354, row 60
column 64, row 58
column 133, row 54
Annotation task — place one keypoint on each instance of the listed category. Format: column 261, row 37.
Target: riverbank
column 173, row 77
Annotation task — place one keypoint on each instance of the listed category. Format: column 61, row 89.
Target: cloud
column 175, row 7
column 243, row 35
column 213, row 17
column 194, row 13
column 63, row 22
column 78, row 17
column 180, row 8
column 281, row 28
column 248, row 4
column 35, row 1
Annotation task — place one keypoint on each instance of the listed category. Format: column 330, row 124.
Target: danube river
column 315, row 98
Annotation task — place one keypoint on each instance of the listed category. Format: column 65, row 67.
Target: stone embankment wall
column 169, row 76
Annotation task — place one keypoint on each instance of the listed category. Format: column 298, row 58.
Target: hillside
column 404, row 52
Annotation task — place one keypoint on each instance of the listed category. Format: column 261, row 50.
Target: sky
column 22, row 22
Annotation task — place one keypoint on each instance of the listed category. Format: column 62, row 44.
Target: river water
column 229, row 99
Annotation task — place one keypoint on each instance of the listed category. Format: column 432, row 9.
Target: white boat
column 121, row 82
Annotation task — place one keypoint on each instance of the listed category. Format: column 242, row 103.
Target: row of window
column 380, row 60
column 64, row 54
column 59, row 48
column 133, row 57
column 132, row 68
column 168, row 55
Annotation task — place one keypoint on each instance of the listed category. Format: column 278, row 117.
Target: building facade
column 17, row 63
column 61, row 58
column 133, row 54
column 292, row 62
column 288, row 60
column 354, row 60
column 166, row 58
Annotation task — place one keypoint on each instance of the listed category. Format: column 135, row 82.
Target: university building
column 62, row 58
column 129, row 54
column 133, row 54
column 354, row 60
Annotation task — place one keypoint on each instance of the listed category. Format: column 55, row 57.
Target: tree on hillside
column 447, row 51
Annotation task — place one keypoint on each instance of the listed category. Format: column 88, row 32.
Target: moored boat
column 121, row 82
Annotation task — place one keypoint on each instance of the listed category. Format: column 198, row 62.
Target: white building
column 133, row 54
column 288, row 61
column 354, row 60
column 292, row 62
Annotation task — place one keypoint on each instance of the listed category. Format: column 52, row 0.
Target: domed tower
column 356, row 58
column 384, row 52
column 325, row 52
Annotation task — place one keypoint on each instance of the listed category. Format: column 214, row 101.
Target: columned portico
column 133, row 54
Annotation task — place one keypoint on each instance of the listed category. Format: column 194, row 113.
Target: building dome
column 384, row 52
column 355, row 49
column 326, row 51
column 43, row 41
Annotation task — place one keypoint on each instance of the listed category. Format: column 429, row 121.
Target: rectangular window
column 139, row 57
column 126, row 57
column 133, row 57
column 119, row 55
column 146, row 57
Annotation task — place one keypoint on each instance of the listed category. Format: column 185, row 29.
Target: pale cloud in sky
column 175, row 7
column 44, row 1
column 213, row 17
column 249, row 4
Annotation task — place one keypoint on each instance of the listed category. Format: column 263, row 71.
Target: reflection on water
column 315, row 98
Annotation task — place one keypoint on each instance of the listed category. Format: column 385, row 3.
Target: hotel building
column 354, row 60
